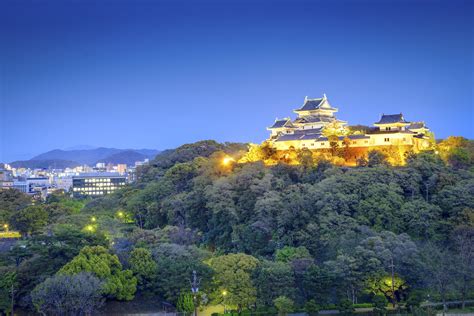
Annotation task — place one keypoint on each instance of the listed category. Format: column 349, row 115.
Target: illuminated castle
column 317, row 128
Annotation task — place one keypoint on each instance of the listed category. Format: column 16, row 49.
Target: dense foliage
column 305, row 236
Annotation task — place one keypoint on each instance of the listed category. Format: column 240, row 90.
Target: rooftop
column 281, row 123
column 316, row 104
column 417, row 125
column 391, row 119
column 99, row 175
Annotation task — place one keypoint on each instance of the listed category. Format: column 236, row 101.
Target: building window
column 386, row 139
column 388, row 128
column 354, row 142
column 322, row 144
column 312, row 144
column 366, row 141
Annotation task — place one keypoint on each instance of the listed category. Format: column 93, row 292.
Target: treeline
column 306, row 236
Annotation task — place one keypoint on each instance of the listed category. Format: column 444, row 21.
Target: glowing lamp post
column 224, row 294
column 6, row 227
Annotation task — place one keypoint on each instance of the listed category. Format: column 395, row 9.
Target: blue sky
column 157, row 74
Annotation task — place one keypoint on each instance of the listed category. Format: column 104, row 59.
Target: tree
column 79, row 294
column 311, row 307
column 346, row 307
column 376, row 158
column 8, row 287
column 463, row 238
column 175, row 264
column 414, row 300
column 185, row 303
column 284, row 305
column 387, row 286
column 273, row 279
column 12, row 200
column 233, row 275
column 399, row 255
column 457, row 151
column 334, row 144
column 118, row 283
column 439, row 270
column 288, row 254
column 30, row 219
column 144, row 268
column 380, row 304
column 305, row 157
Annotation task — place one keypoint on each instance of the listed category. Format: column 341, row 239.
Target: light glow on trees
column 227, row 160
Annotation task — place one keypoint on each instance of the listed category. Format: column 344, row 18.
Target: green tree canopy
column 233, row 275
column 118, row 283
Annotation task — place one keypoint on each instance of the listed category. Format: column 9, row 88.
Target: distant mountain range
column 59, row 158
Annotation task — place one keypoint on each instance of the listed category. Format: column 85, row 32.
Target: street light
column 6, row 227
column 195, row 289
column 224, row 293
column 93, row 219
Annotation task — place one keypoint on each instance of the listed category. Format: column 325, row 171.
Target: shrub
column 78, row 294
column 414, row 299
column 363, row 305
column 311, row 307
column 380, row 304
column 284, row 305
column 345, row 306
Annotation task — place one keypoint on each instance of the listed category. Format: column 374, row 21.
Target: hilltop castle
column 317, row 128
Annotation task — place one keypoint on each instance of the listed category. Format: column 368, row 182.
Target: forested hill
column 309, row 236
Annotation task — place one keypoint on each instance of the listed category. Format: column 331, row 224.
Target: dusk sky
column 158, row 74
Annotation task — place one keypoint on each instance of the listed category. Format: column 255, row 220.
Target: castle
column 317, row 128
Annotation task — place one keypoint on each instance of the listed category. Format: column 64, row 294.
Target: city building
column 20, row 185
column 121, row 168
column 97, row 184
column 317, row 128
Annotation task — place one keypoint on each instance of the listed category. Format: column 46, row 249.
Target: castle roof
column 316, row 104
column 287, row 137
column 286, row 122
column 417, row 125
column 314, row 119
column 309, row 131
column 391, row 119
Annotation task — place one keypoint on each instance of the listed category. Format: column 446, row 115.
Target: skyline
column 161, row 74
